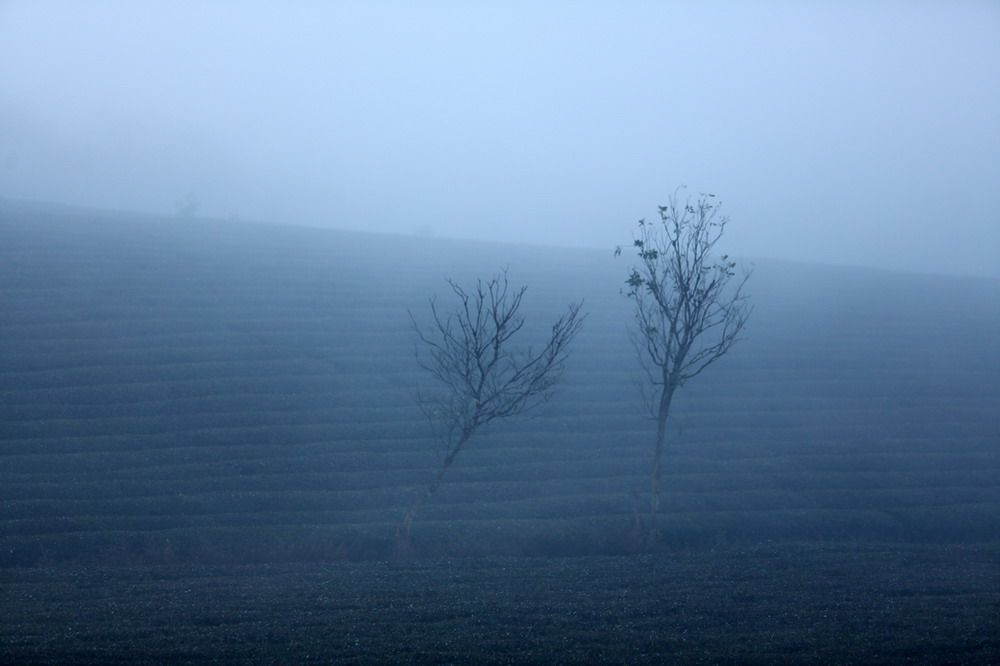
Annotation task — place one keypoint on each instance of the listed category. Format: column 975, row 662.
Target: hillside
column 216, row 392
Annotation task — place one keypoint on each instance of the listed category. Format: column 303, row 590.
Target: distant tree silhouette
column 480, row 376
column 689, row 309
column 188, row 205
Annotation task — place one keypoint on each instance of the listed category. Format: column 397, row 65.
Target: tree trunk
column 405, row 529
column 654, row 481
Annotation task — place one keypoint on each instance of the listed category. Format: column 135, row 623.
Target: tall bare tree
column 690, row 308
column 480, row 376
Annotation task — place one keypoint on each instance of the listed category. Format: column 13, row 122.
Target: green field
column 177, row 395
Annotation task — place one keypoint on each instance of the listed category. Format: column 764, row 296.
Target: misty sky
column 845, row 132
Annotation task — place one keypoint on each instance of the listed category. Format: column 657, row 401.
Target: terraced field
column 219, row 391
column 186, row 404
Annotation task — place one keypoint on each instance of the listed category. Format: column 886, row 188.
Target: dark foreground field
column 208, row 436
column 791, row 603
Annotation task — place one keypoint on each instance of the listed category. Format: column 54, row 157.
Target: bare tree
column 481, row 377
column 689, row 309
column 188, row 205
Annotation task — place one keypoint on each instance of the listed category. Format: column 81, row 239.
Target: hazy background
column 858, row 133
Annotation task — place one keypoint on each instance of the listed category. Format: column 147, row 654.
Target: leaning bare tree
column 689, row 309
column 480, row 376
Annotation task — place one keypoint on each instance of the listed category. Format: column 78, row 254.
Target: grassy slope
column 214, row 392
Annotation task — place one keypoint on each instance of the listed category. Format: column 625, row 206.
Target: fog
column 286, row 442
column 847, row 133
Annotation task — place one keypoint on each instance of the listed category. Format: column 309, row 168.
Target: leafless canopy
column 468, row 351
column 690, row 305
